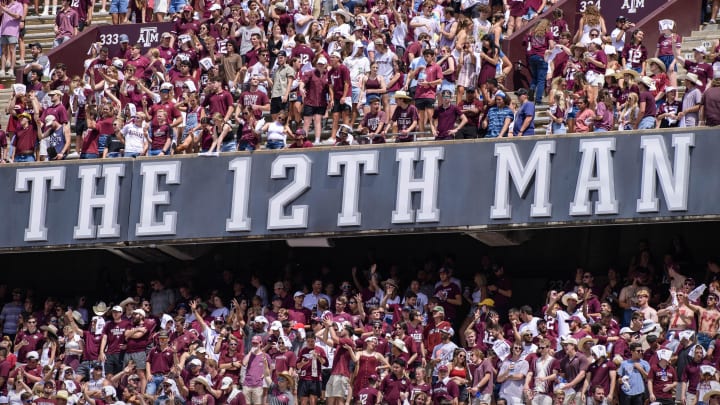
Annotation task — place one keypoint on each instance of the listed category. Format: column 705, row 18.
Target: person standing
column 12, row 16
column 282, row 80
column 428, row 78
column 648, row 108
column 314, row 87
column 690, row 105
column 710, row 105
column 444, row 118
column 525, row 116
column 66, row 24
column 539, row 42
column 633, row 373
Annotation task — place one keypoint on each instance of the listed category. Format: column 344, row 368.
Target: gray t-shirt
column 280, row 80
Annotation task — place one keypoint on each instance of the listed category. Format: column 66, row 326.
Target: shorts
column 139, row 358
column 309, row 111
column 8, row 40
column 355, row 94
column 43, row 147
column 161, row 6
column 118, row 6
column 446, row 85
column 483, row 399
column 307, row 388
column 176, row 6
column 424, row 103
column 391, row 95
column 276, row 105
column 594, row 78
column 467, row 132
column 113, row 363
column 338, row 386
column 340, row 107
column 253, row 395
column 667, row 60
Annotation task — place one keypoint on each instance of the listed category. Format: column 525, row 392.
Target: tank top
column 276, row 132
column 229, row 137
column 372, row 84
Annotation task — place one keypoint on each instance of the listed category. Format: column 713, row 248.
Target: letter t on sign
column 427, row 185
column 36, row 230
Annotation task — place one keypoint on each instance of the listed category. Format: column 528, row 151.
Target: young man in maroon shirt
column 337, row 388
column 159, row 362
column 218, row 99
column 314, row 88
column 341, row 102
column 138, row 338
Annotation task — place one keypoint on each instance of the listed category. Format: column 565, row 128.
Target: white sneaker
column 10, row 73
column 328, row 141
column 2, row 74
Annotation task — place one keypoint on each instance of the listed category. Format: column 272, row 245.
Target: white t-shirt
column 431, row 26
column 134, row 137
column 385, row 64
column 619, row 45
column 358, row 67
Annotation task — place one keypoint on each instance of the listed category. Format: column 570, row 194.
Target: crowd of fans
column 372, row 336
column 237, row 75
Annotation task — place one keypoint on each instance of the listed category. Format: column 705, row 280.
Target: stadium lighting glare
column 310, row 242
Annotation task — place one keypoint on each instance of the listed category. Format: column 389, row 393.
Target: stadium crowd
column 243, row 74
column 371, row 336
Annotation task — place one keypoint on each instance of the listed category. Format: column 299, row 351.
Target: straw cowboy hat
column 100, row 308
column 660, row 64
column 630, row 72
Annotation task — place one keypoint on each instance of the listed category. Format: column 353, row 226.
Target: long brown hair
column 592, row 15
column 542, row 27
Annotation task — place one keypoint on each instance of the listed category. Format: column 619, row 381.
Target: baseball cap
column 166, row 86
column 521, row 92
column 620, row 18
column 188, row 8
column 49, row 119
column 438, row 309
column 117, row 308
column 32, row 355
column 140, row 312
column 260, row 319
column 626, row 330
column 196, row 362
column 442, row 368
column 336, row 55
column 700, row 49
column 276, row 325
column 123, row 38
column 378, row 41
column 299, row 293
column 282, row 53
column 215, row 7
column 169, row 35
column 225, row 383
column 322, row 60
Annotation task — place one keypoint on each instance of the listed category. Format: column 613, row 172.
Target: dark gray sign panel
column 423, row 187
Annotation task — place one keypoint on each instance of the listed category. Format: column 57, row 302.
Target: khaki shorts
column 483, row 399
column 253, row 395
column 338, row 386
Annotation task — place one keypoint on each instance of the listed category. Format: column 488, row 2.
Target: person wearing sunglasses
column 541, row 367
column 636, row 370
column 512, row 375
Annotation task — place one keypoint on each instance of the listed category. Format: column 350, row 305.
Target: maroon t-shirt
column 316, row 88
column 446, row 121
column 339, row 76
column 141, row 63
column 5, row 367
column 160, row 134
column 115, row 332
column 90, row 145
column 161, row 361
column 650, row 106
column 472, row 117
column 219, row 102
column 601, row 374
column 538, row 44
column 660, row 377
column 341, row 362
column 304, row 54
column 391, row 387
column 405, row 117
column 257, row 97
column 168, row 107
column 92, row 341
column 99, row 66
column 81, row 8
column 368, row 396
column 59, row 111
column 373, row 121
column 311, row 370
column 35, row 340
column 635, row 55
column 703, row 70
column 25, row 139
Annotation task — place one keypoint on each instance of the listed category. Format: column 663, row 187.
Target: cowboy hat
column 660, row 64
column 630, row 72
column 693, row 78
column 52, row 329
column 648, row 82
column 570, row 296
column 126, row 301
column 403, row 95
column 400, row 345
column 100, row 308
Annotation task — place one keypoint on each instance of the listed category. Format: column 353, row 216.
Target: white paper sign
column 19, row 88
column 501, row 349
column 666, row 24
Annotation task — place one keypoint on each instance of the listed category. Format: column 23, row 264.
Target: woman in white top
column 277, row 132
column 73, row 347
column 359, row 65
column 49, row 349
column 135, row 134
column 591, row 19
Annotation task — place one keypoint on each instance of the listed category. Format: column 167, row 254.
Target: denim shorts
column 355, row 94
column 155, row 152
column 228, row 146
column 118, row 6
column 275, row 144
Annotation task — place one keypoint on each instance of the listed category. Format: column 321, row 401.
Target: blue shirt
column 637, row 382
column 525, row 110
column 496, row 120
